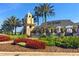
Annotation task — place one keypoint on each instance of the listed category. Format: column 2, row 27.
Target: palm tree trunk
column 38, row 20
column 15, row 30
column 12, row 32
column 45, row 18
column 45, row 23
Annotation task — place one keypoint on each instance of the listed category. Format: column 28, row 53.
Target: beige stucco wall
column 30, row 23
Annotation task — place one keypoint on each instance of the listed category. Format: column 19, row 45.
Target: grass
column 13, row 37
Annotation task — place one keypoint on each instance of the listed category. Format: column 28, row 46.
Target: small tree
column 11, row 24
column 15, row 22
column 7, row 28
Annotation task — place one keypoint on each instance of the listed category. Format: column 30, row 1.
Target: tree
column 15, row 22
column 45, row 10
column 24, row 24
column 11, row 24
column 7, row 27
column 37, row 14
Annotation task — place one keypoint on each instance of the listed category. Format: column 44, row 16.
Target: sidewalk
column 37, row 54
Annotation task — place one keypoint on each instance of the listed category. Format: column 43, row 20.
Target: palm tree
column 45, row 10
column 24, row 23
column 7, row 27
column 14, row 22
column 37, row 14
column 24, row 26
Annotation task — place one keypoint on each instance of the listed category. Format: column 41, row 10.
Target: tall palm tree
column 24, row 23
column 45, row 10
column 37, row 14
column 14, row 22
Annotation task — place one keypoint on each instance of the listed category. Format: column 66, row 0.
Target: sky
column 62, row 11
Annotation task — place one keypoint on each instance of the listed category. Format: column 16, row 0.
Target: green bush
column 51, row 43
column 70, row 42
column 63, row 41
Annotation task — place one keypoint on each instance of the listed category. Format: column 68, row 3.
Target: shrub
column 49, row 40
column 62, row 41
column 4, row 38
column 31, row 43
column 70, row 42
column 49, row 43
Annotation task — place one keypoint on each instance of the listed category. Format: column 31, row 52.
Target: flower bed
column 62, row 41
column 31, row 43
column 4, row 38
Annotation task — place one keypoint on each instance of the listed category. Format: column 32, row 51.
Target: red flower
column 4, row 38
column 31, row 43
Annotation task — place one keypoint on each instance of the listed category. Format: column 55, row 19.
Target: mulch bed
column 15, row 48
